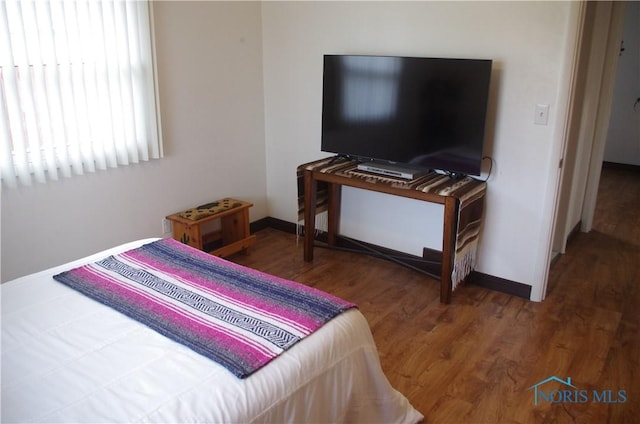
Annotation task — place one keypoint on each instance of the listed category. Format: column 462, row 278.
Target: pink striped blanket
column 236, row 316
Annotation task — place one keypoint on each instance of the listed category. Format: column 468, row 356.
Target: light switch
column 542, row 115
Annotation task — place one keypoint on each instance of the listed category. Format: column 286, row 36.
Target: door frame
column 586, row 123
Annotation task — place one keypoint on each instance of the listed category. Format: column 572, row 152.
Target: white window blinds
column 77, row 88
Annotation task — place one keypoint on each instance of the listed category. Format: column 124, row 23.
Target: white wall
column 531, row 45
column 216, row 61
column 210, row 77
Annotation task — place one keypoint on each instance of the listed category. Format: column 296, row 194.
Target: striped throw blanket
column 236, row 316
column 469, row 192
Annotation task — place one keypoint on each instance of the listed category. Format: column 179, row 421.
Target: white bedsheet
column 67, row 358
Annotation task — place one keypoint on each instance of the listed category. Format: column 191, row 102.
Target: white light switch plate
column 542, row 115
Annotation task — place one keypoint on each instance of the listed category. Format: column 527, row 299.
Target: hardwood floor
column 476, row 360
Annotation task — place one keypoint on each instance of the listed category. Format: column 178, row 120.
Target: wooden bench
column 197, row 227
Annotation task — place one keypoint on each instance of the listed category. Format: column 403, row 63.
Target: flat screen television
column 425, row 113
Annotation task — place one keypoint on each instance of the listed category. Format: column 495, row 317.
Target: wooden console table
column 232, row 237
column 434, row 188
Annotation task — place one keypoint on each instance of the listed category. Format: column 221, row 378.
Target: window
column 77, row 88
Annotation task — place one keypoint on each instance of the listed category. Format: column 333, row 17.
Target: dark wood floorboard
column 475, row 360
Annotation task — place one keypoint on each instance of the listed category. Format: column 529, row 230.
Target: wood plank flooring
column 475, row 360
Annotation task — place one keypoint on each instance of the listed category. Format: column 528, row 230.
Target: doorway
column 588, row 121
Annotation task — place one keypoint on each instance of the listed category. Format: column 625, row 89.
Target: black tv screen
column 428, row 113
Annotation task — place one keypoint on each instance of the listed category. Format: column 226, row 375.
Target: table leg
column 310, row 189
column 448, row 247
column 333, row 213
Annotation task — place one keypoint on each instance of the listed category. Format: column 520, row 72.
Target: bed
column 69, row 358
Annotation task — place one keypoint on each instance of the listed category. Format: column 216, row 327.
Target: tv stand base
column 459, row 197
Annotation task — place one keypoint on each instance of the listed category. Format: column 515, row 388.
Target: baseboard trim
column 431, row 256
column 502, row 285
column 622, row 166
column 276, row 224
column 574, row 232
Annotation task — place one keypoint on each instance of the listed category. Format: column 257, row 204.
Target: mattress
column 67, row 358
